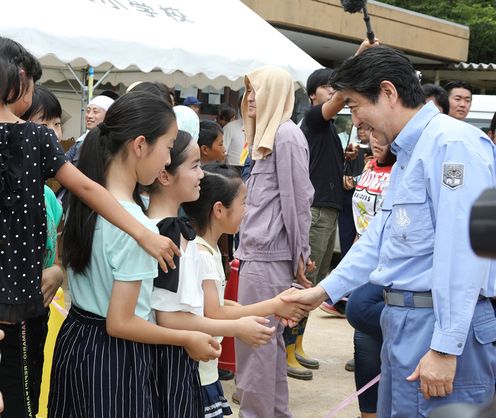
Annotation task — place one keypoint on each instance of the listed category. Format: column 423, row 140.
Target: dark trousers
column 363, row 311
column 347, row 230
column 21, row 366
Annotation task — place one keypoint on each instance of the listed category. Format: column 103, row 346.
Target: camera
column 483, row 224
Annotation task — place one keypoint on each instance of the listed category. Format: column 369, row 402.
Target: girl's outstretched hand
column 202, row 347
column 253, row 330
column 161, row 248
column 289, row 310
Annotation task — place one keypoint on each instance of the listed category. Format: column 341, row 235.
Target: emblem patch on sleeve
column 453, row 175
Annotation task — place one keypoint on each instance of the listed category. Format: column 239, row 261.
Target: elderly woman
column 274, row 248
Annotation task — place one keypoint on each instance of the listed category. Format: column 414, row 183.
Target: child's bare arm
column 274, row 306
column 123, row 323
column 251, row 330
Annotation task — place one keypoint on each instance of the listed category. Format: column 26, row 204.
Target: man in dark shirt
column 326, row 170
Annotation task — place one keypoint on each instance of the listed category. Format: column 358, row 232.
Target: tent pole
column 91, row 77
column 103, row 77
column 83, row 95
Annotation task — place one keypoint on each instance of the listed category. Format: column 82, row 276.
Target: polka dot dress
column 29, row 155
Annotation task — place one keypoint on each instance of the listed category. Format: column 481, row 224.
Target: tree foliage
column 479, row 15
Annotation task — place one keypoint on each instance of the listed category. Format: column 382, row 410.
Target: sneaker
column 225, row 374
column 235, row 398
column 350, row 365
column 331, row 310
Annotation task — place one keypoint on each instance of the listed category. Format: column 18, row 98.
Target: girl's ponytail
column 81, row 221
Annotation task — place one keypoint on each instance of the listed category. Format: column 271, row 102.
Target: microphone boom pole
column 354, row 6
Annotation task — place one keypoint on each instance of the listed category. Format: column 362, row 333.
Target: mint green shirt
column 115, row 255
column 53, row 216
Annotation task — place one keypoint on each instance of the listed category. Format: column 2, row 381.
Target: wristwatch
column 441, row 353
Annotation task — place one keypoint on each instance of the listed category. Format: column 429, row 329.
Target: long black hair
column 220, row 184
column 132, row 115
column 17, row 67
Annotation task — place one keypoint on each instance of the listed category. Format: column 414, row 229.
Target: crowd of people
column 153, row 200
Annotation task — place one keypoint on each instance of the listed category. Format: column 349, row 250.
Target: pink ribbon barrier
column 345, row 402
column 59, row 308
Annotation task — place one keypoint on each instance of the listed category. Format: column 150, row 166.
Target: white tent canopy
column 180, row 42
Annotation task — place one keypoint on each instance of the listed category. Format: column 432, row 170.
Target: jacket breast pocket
column 412, row 228
column 262, row 182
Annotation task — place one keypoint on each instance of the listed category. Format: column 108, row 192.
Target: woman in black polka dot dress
column 29, row 155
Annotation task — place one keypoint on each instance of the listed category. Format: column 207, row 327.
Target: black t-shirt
column 326, row 159
column 29, row 155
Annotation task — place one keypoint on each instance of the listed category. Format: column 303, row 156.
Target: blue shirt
column 420, row 239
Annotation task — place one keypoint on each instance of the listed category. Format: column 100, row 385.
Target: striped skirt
column 95, row 375
column 179, row 384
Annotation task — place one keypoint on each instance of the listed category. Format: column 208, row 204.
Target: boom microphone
column 354, row 6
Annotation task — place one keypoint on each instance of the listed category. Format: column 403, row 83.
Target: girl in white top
column 219, row 210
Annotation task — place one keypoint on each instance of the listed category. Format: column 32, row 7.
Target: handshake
column 294, row 304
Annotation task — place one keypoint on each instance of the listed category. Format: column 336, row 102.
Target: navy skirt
column 214, row 402
column 99, row 376
column 178, row 380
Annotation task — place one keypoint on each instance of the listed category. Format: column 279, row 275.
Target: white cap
column 101, row 101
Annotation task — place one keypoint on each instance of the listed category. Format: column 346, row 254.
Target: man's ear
column 138, row 145
column 389, row 90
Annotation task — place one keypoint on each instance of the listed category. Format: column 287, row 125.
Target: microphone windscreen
column 353, row 6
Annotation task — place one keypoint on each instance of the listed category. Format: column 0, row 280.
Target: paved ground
column 329, row 340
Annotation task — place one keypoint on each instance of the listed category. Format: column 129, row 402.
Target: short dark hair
column 17, row 67
column 319, row 77
column 45, row 103
column 226, row 112
column 220, row 184
column 209, row 131
column 440, row 95
column 365, row 72
column 155, row 87
column 458, row 84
